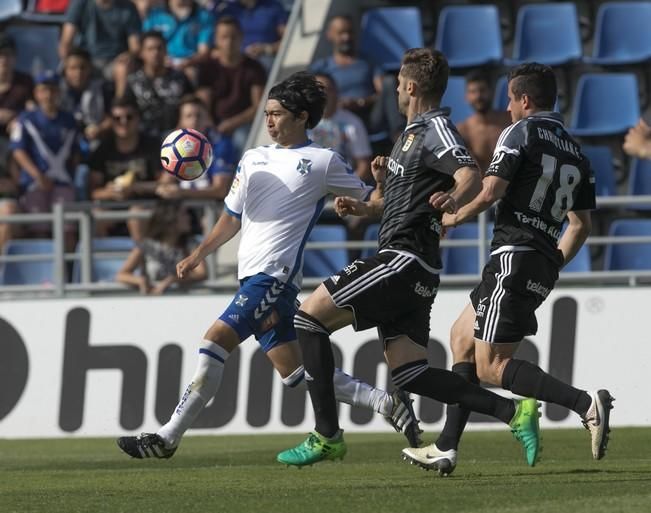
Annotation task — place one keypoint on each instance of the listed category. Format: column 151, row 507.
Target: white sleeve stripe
column 447, row 137
column 450, row 148
column 505, row 133
column 506, row 149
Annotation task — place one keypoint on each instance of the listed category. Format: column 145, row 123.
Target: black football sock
column 319, row 364
column 529, row 380
column 457, row 417
column 446, row 386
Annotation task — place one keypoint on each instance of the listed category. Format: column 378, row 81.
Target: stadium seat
column 605, row 104
column 463, row 260
column 324, row 262
column 10, row 8
column 581, row 263
column 501, row 94
column 622, row 34
column 469, row 35
column 455, row 98
column 547, row 33
column 629, row 256
column 371, row 234
column 601, row 159
column 28, row 273
column 639, row 181
column 387, row 32
column 104, row 269
column 36, row 47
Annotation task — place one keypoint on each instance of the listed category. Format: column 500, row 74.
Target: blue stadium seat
column 601, row 159
column 639, row 180
column 581, row 263
column 547, row 33
column 9, row 8
column 605, row 104
column 501, row 93
column 622, row 34
column 464, row 260
column 36, row 47
column 324, row 262
column 629, row 256
column 104, row 269
column 469, row 35
column 371, row 234
column 28, row 273
column 455, row 98
column 386, row 34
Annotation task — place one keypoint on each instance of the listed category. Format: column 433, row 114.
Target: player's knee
column 462, row 342
column 294, row 379
column 306, row 322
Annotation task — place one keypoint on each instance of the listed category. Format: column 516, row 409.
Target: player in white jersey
column 275, row 200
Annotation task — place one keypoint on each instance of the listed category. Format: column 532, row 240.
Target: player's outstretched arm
column 347, row 206
column 223, row 231
column 578, row 229
column 493, row 188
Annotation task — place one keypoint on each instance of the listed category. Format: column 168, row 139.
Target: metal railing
column 224, row 276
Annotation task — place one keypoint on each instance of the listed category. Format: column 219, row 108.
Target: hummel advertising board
column 100, row 367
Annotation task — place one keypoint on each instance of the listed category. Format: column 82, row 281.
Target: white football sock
column 350, row 391
column 202, row 388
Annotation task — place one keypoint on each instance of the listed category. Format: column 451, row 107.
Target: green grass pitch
column 239, row 474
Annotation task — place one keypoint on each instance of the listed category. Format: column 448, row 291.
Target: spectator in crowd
column 125, row 165
column 87, row 98
column 15, row 92
column 145, row 6
column 44, row 143
column 231, row 83
column 106, row 28
column 263, row 24
column 156, row 87
column 15, row 87
column 358, row 82
column 637, row 142
column 483, row 128
column 187, row 29
column 167, row 240
column 343, row 131
column 216, row 181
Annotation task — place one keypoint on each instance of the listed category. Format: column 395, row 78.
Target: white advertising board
column 108, row 366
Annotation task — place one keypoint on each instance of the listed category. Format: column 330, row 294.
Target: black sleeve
column 586, row 196
column 444, row 148
column 509, row 152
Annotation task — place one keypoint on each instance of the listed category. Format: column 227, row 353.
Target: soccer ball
column 186, row 154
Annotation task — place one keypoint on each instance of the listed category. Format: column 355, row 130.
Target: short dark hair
column 477, row 75
column 82, row 53
column 229, row 20
column 301, row 92
column 191, row 99
column 345, row 17
column 153, row 34
column 428, row 68
column 535, row 80
column 327, row 76
column 126, row 101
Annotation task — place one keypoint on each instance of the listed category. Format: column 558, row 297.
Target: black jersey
column 548, row 176
column 423, row 161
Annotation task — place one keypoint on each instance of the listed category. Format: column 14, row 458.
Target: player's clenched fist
column 379, row 168
column 345, row 205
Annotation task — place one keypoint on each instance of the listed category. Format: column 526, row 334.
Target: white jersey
column 278, row 193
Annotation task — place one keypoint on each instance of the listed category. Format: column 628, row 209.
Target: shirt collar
column 424, row 117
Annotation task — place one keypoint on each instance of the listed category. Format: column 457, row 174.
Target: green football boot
column 313, row 449
column 526, row 429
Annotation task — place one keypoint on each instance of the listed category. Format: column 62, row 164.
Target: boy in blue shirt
column 44, row 143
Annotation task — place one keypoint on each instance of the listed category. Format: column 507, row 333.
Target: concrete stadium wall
column 100, row 367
